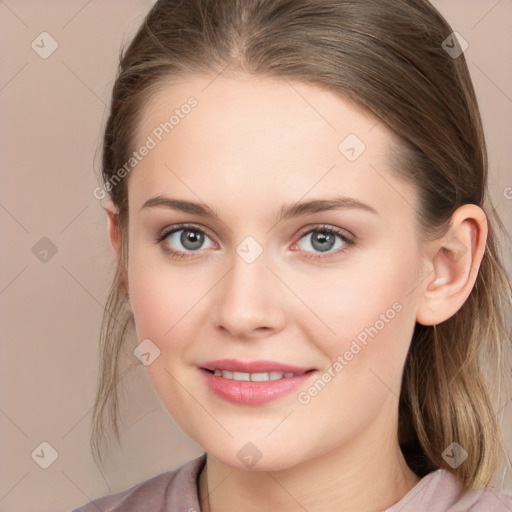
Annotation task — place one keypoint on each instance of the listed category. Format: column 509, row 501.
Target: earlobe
column 455, row 262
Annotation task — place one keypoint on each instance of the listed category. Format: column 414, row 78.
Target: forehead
column 254, row 106
column 257, row 136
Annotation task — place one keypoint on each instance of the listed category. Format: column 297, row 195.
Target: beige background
column 52, row 113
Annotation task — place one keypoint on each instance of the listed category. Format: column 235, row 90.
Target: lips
column 253, row 382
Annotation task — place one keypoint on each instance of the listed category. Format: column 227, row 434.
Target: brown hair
column 386, row 56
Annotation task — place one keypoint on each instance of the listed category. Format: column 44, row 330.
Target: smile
column 255, row 377
column 252, row 389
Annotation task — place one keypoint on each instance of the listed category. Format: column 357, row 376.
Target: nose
column 249, row 300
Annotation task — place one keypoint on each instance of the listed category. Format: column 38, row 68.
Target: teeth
column 240, row 376
column 255, row 377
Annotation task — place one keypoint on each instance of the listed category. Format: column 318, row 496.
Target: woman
column 298, row 203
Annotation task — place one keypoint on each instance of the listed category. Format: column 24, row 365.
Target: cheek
column 356, row 292
column 162, row 302
column 364, row 313
column 161, row 297
column 366, row 359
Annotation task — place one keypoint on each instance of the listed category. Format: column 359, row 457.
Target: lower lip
column 253, row 393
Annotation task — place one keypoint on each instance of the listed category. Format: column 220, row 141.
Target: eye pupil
column 325, row 240
column 192, row 239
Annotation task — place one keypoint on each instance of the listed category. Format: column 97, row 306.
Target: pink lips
column 253, row 392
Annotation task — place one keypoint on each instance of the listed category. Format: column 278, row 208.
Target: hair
column 387, row 57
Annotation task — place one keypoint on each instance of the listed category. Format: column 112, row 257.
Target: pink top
column 176, row 491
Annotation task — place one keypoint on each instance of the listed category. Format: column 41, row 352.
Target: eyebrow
column 287, row 211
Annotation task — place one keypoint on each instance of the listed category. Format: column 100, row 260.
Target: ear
column 114, row 230
column 114, row 233
column 454, row 261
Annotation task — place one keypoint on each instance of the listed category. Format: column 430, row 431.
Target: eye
column 190, row 238
column 323, row 239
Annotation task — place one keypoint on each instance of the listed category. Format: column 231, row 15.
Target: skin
column 250, row 146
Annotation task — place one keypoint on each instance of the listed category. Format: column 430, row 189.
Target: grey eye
column 322, row 240
column 191, row 239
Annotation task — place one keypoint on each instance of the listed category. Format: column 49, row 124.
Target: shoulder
column 441, row 491
column 486, row 499
column 173, row 490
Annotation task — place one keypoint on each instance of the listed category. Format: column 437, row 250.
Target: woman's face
column 255, row 286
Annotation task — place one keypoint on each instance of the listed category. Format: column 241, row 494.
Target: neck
column 367, row 477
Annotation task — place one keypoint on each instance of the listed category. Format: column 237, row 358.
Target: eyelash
column 349, row 242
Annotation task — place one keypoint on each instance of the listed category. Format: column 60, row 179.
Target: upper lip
column 235, row 365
